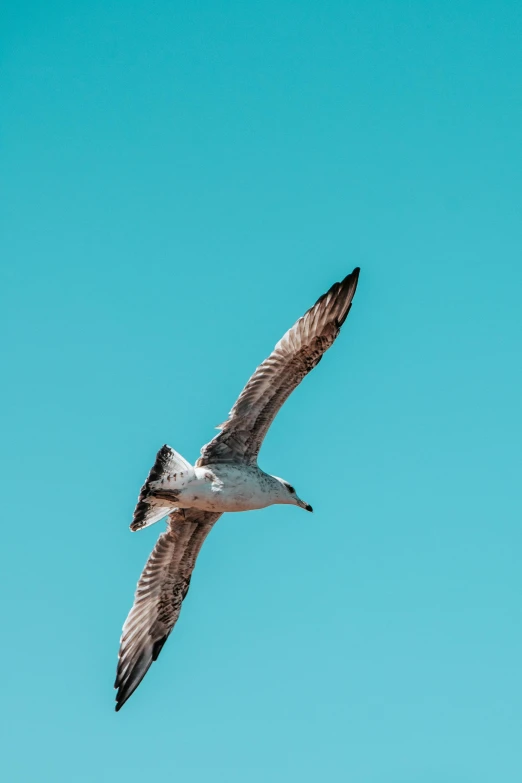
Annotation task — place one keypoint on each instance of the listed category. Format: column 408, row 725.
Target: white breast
column 227, row 488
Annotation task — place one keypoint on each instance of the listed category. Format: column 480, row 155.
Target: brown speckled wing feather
column 298, row 352
column 161, row 589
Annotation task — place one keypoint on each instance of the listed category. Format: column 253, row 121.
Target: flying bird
column 226, row 477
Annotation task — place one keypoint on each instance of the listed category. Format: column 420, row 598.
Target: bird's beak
column 302, row 504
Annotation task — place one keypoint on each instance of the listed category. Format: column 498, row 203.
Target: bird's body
column 221, row 487
column 225, row 478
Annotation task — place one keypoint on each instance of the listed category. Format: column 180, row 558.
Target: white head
column 287, row 495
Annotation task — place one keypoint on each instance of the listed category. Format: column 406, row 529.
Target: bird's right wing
column 161, row 589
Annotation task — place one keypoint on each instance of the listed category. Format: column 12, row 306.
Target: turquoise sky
column 180, row 182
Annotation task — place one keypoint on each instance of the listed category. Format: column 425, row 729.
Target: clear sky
column 180, row 182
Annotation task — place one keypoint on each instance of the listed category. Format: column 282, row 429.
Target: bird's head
column 289, row 496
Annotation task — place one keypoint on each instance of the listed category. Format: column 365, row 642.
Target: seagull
column 226, row 477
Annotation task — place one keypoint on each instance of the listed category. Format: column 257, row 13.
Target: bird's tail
column 149, row 508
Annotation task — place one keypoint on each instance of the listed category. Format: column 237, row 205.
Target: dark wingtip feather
column 348, row 286
column 132, row 679
column 352, row 278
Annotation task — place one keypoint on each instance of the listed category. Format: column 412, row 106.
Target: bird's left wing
column 296, row 353
column 161, row 589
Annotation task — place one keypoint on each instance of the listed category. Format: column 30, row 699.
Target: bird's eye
column 290, row 489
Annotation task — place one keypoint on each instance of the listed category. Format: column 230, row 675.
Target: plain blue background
column 181, row 181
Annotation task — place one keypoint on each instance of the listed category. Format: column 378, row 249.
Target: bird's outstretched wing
column 298, row 352
column 161, row 589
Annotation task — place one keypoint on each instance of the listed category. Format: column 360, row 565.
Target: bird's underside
column 165, row 580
